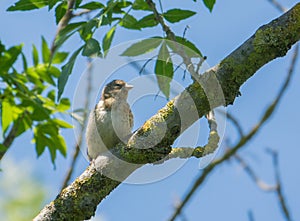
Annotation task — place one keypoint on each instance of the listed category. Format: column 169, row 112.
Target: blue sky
column 228, row 193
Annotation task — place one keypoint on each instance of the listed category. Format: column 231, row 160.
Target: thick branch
column 79, row 200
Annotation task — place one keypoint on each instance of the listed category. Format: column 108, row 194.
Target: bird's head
column 117, row 89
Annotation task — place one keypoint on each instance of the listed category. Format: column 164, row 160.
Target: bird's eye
column 118, row 86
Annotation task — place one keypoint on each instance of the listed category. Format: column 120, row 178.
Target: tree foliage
column 32, row 97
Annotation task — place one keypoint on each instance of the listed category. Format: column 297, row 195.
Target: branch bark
column 79, row 200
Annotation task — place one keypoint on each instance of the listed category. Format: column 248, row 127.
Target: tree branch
column 63, row 23
column 245, row 139
column 79, row 200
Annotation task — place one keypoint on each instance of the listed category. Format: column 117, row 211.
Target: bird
column 111, row 121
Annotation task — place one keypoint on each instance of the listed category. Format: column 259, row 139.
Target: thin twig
column 244, row 140
column 262, row 185
column 234, row 121
column 83, row 12
column 279, row 192
column 171, row 36
column 85, row 115
column 250, row 215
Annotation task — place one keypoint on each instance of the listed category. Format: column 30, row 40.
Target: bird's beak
column 128, row 86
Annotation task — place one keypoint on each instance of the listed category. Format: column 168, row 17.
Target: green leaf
column 40, row 143
column 61, row 145
column 51, row 95
column 7, row 115
column 66, row 72
column 123, row 4
column 9, row 57
column 91, row 48
column 77, row 3
column 24, row 62
column 106, row 42
column 42, row 70
column 63, row 105
column 92, row 5
column 209, row 4
column 39, row 112
column 142, row 47
column 188, row 47
column 25, row 5
column 60, row 11
column 47, row 135
column 24, row 124
column 52, row 3
column 35, row 55
column 62, row 124
column 2, row 47
column 140, row 5
column 164, row 70
column 67, row 32
column 147, row 21
column 129, row 22
column 53, row 71
column 176, row 15
column 59, row 57
column 86, row 31
column 45, row 51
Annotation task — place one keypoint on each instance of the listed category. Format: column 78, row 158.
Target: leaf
column 129, row 22
column 66, row 72
column 164, row 70
column 45, row 51
column 86, row 31
column 60, row 11
column 63, row 105
column 25, row 5
column 59, row 57
column 142, row 47
column 123, row 4
column 40, row 143
column 39, row 112
column 24, row 62
column 9, row 57
column 140, row 5
column 61, row 145
column 42, row 70
column 35, row 55
column 52, row 3
column 147, row 21
column 106, row 42
column 91, row 48
column 92, row 5
column 24, row 123
column 7, row 115
column 67, row 32
column 176, row 15
column 54, row 71
column 188, row 47
column 209, row 4
column 77, row 3
column 62, row 124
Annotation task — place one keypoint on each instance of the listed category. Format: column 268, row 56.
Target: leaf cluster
column 28, row 98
